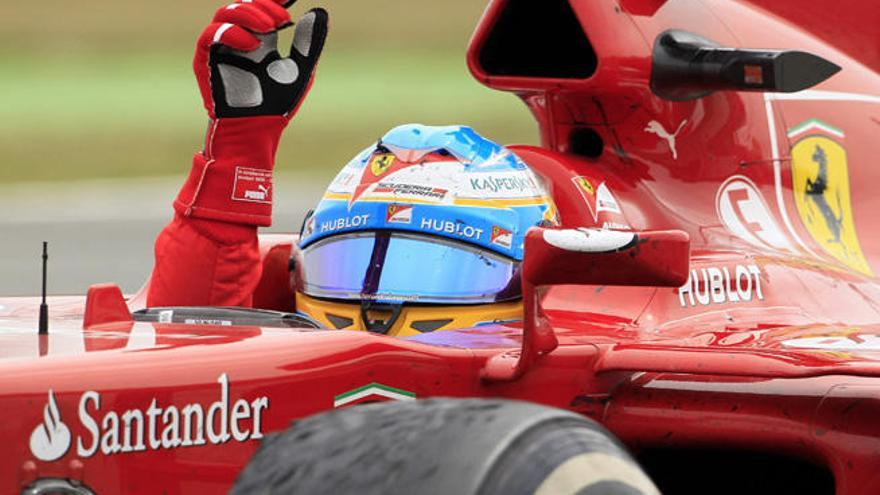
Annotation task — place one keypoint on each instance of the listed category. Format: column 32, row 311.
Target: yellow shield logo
column 381, row 163
column 820, row 179
column 585, row 185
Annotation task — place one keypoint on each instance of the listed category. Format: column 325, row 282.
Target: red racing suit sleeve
column 209, row 253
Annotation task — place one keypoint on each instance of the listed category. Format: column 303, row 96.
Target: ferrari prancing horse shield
column 820, row 179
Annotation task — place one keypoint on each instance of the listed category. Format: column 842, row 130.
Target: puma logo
column 657, row 128
column 260, row 195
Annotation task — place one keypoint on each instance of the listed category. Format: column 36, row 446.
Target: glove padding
column 239, row 69
column 250, row 93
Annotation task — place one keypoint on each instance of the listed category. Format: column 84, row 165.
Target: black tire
column 444, row 446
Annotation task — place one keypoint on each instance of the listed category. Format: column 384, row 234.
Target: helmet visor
column 394, row 267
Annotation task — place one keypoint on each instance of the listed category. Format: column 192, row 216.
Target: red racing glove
column 209, row 254
column 250, row 93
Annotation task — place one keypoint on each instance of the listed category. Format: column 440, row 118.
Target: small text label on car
column 718, row 285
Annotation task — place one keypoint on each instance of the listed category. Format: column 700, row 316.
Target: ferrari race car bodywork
column 758, row 351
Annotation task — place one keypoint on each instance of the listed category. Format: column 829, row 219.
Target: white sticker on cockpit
column 166, row 316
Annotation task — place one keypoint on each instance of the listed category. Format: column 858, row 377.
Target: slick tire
column 444, row 446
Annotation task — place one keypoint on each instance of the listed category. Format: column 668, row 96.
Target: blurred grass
column 104, row 89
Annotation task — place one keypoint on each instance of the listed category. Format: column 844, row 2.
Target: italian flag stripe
column 815, row 124
column 372, row 389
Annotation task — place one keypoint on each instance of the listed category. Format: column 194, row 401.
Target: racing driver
column 425, row 227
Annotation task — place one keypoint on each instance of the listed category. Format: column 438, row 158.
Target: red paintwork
column 794, row 367
column 105, row 304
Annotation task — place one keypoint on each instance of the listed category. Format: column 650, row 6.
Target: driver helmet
column 422, row 231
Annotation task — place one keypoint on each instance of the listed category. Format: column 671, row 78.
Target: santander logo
column 50, row 440
column 153, row 426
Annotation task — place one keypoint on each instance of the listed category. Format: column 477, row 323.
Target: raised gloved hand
column 239, row 69
column 209, row 254
column 250, row 92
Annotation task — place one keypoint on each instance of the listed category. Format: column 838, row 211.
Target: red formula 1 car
column 704, row 320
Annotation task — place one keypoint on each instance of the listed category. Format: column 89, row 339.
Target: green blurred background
column 103, row 88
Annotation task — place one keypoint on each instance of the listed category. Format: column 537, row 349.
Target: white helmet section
column 445, row 181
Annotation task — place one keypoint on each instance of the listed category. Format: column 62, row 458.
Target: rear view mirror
column 686, row 66
column 606, row 257
column 587, row 257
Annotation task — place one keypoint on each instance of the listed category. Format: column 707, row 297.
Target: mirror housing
column 686, row 66
column 586, row 257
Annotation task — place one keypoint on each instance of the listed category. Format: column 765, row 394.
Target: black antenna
column 44, row 308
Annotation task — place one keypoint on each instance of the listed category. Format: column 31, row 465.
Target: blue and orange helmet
column 425, row 219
